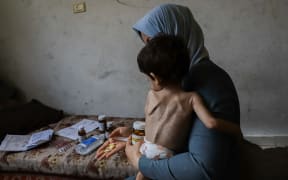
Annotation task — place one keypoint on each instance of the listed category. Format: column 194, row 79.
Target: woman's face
column 145, row 38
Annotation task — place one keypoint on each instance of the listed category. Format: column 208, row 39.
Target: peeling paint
column 106, row 74
column 50, row 56
column 27, row 3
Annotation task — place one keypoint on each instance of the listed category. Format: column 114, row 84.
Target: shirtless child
column 165, row 61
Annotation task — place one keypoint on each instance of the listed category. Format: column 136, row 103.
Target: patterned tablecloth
column 47, row 159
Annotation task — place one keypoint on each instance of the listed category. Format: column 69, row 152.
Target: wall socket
column 79, row 7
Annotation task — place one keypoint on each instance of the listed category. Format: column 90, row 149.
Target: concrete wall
column 86, row 63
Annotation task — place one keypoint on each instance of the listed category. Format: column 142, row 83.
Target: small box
column 79, row 7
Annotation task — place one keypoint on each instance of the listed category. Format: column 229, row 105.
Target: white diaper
column 155, row 151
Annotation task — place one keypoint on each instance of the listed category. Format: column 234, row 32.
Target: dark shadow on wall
column 10, row 95
column 20, row 117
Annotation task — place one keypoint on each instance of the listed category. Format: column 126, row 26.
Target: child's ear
column 155, row 78
column 151, row 76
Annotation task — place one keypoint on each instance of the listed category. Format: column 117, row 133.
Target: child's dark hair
column 167, row 57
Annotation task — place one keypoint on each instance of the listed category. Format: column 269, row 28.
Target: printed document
column 25, row 142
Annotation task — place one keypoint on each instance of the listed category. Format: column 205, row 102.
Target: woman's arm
column 209, row 120
column 168, row 169
column 208, row 156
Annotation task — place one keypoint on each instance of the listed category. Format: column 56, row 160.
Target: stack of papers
column 25, row 142
column 71, row 132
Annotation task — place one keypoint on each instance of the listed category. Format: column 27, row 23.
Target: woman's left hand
column 132, row 152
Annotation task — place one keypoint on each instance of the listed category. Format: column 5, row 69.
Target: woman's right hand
column 104, row 151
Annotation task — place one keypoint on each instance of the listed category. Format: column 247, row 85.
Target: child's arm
column 210, row 121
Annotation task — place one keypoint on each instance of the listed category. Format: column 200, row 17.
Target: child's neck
column 173, row 87
column 169, row 87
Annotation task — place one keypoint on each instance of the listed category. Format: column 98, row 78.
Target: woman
column 210, row 154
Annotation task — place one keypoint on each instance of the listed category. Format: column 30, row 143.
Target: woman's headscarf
column 176, row 20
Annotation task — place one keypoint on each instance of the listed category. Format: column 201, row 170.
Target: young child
column 168, row 111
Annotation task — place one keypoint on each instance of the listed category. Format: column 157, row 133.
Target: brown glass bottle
column 81, row 133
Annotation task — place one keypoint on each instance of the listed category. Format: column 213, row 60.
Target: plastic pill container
column 102, row 122
column 138, row 132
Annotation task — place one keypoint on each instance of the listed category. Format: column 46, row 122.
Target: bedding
column 46, row 162
column 47, row 158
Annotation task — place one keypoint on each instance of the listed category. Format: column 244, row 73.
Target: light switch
column 79, row 7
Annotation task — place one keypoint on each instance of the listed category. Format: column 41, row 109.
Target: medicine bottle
column 102, row 120
column 81, row 133
column 138, row 132
column 108, row 129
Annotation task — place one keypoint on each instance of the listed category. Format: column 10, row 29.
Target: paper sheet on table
column 71, row 132
column 25, row 142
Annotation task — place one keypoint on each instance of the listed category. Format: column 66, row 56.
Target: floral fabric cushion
column 48, row 159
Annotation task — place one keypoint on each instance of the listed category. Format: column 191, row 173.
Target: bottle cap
column 81, row 127
column 140, row 125
column 101, row 117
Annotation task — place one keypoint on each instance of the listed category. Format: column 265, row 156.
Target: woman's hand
column 109, row 148
column 112, row 146
column 132, row 152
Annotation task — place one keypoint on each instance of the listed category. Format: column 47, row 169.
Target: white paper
column 71, row 132
column 14, row 143
column 25, row 142
column 39, row 138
